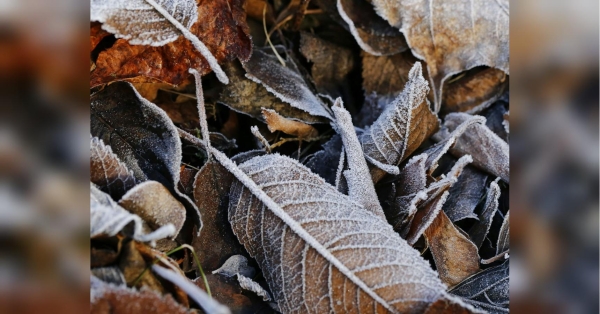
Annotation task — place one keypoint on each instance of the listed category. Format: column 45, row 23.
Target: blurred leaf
column 451, row 37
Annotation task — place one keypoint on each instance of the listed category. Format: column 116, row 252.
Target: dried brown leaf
column 330, row 63
column 107, row 171
column 96, row 34
column 402, row 127
column 307, row 242
column 245, row 96
column 216, row 241
column 474, row 91
column 452, row 36
column 276, row 122
column 154, row 203
column 221, row 26
column 285, row 82
column 455, row 256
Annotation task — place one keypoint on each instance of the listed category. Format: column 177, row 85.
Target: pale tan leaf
column 107, row 171
column 402, row 127
column 154, row 203
column 451, row 36
column 306, row 237
column 455, row 256
column 276, row 122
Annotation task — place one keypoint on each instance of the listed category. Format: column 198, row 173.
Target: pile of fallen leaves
column 299, row 156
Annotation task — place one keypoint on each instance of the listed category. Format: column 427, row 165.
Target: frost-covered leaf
column 455, row 256
column 325, row 162
column 480, row 230
column 236, row 264
column 216, row 241
column 330, row 63
column 108, row 218
column 306, row 236
column 402, row 126
column 251, row 285
column 371, row 32
column 490, row 153
column 110, row 274
column 437, row 193
column 409, row 186
column 208, row 304
column 504, row 235
column 465, row 195
column 107, row 171
column 474, row 90
column 446, row 141
column 360, row 186
column 496, row 119
column 285, row 82
column 153, row 202
column 221, row 27
column 451, row 36
column 248, row 97
column 143, row 137
column 110, row 298
column 487, row 290
column 276, row 122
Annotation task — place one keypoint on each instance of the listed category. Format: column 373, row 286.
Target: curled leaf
column 504, row 236
column 474, row 91
column 275, row 122
column 480, row 230
column 465, row 194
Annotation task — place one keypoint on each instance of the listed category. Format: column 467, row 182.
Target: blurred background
column 44, row 147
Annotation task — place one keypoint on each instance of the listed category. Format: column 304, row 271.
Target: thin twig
column 268, row 36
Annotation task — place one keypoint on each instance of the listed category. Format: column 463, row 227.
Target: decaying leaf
column 236, row 264
column 465, row 195
column 109, row 298
column 306, row 243
column 486, row 290
column 153, row 202
column 276, row 122
column 490, row 153
column 251, row 285
column 285, row 82
column 96, row 34
column 452, row 36
column 134, row 268
column 480, row 230
column 216, row 241
column 245, row 96
column 142, row 136
column 219, row 25
column 108, row 218
column 330, row 63
column 107, row 171
column 371, row 32
column 474, row 91
column 227, row 290
column 455, row 256
column 402, row 127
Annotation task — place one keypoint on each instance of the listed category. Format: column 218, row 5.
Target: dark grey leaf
column 487, row 290
column 465, row 195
